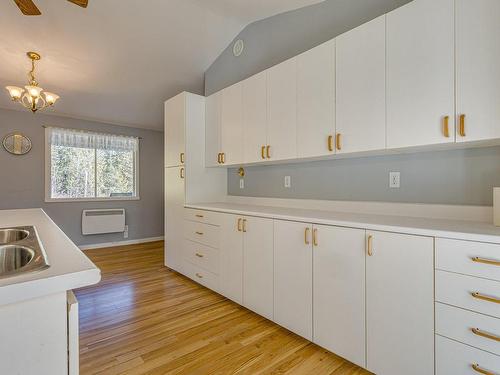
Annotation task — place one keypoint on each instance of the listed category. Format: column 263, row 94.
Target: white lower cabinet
column 174, row 200
column 400, row 304
column 231, row 257
column 293, row 276
column 339, row 291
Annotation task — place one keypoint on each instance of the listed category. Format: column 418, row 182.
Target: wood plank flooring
column 145, row 319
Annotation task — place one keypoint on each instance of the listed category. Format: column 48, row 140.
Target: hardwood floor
column 144, row 319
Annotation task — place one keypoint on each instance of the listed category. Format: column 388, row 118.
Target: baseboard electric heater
column 103, row 221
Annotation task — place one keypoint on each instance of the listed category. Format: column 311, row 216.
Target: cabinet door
column 293, row 277
column 174, row 131
column 339, row 291
column 231, row 258
column 254, row 117
column 174, row 206
column 282, row 110
column 315, row 100
column 232, row 125
column 478, row 73
column 400, row 304
column 361, row 88
column 420, row 73
column 258, row 265
column 212, row 130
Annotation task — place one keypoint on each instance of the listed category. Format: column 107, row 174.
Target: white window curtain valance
column 92, row 140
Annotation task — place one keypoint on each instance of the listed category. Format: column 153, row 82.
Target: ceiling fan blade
column 28, row 7
column 82, row 3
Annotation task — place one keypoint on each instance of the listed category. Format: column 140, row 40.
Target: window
column 84, row 165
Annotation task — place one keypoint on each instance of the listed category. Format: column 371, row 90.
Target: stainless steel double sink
column 21, row 251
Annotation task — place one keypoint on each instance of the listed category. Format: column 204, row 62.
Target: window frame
column 48, row 169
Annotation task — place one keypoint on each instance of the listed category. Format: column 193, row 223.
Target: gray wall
column 22, row 183
column 273, row 40
column 442, row 177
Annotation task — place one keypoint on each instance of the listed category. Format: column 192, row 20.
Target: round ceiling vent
column 238, row 47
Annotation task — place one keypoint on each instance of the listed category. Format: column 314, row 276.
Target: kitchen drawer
column 201, row 216
column 201, row 255
column 205, row 234
column 454, row 358
column 202, row 276
column 457, row 290
column 458, row 256
column 457, row 324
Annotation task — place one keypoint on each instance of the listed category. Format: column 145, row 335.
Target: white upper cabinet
column 212, row 128
column 478, row 69
column 255, row 118
column 420, row 73
column 361, row 88
column 316, row 101
column 282, row 110
column 232, row 125
column 174, row 131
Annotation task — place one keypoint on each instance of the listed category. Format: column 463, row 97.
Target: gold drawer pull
column 485, row 298
column 369, row 245
column 181, row 173
column 338, row 141
column 306, row 236
column 486, row 261
column 462, row 126
column 181, row 156
column 199, row 276
column 330, row 143
column 263, row 152
column 239, row 225
column 268, row 151
column 476, row 368
column 486, row 335
column 199, row 255
column 446, row 128
column 200, row 216
column 244, row 225
column 315, row 237
column 199, row 233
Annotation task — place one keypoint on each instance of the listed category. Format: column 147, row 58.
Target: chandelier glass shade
column 32, row 96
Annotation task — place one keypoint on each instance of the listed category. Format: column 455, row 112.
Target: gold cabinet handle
column 200, row 216
column 199, row 276
column 480, row 370
column 369, row 245
column 244, row 225
column 491, row 262
column 268, row 151
column 181, row 157
column 223, row 158
column 263, row 152
column 330, row 143
column 199, row 233
column 486, row 335
column 462, row 126
column 446, row 127
column 199, row 255
column 485, row 298
column 239, row 225
column 306, row 236
column 315, row 237
column 181, row 173
column 218, row 158
column 338, row 141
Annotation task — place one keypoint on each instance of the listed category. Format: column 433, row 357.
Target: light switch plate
column 394, row 180
column 242, row 183
column 288, row 182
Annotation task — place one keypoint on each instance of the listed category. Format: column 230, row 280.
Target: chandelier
column 32, row 96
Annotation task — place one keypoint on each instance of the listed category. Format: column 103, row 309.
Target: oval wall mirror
column 17, row 144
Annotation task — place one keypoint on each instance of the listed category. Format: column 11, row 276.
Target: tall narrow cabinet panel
column 231, row 257
column 339, row 291
column 361, row 88
column 293, row 276
column 255, row 118
column 212, row 127
column 420, row 74
column 174, row 206
column 478, row 72
column 282, row 110
column 232, row 125
column 400, row 304
column 258, row 265
column 174, row 131
column 316, row 100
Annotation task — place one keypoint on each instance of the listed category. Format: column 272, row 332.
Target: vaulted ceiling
column 118, row 60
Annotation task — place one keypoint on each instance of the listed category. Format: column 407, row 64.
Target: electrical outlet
column 125, row 232
column 394, row 180
column 288, row 182
column 242, row 183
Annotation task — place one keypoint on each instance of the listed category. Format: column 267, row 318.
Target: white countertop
column 69, row 267
column 456, row 229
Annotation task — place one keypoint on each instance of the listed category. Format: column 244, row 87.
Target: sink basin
column 12, row 235
column 21, row 251
column 13, row 258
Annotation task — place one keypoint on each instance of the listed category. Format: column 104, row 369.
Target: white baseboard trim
column 121, row 243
